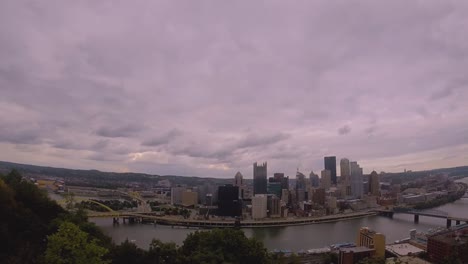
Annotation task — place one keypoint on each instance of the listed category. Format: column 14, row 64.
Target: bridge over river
column 426, row 213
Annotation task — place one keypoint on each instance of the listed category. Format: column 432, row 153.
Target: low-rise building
column 355, row 254
column 452, row 243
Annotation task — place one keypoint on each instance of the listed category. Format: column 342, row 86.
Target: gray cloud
column 118, row 131
column 91, row 85
column 162, row 139
column 344, row 130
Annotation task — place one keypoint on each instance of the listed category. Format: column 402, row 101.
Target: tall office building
column 260, row 178
column 325, row 181
column 239, row 182
column 357, row 188
column 345, row 178
column 300, row 186
column 374, row 184
column 330, row 164
column 345, row 170
column 274, row 187
column 279, row 177
column 229, row 203
column 314, row 179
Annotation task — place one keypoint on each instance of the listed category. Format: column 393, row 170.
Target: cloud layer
column 208, row 87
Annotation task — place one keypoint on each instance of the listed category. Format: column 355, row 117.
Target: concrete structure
column 451, row 243
column 285, row 196
column 259, row 206
column 371, row 239
column 239, row 182
column 403, row 249
column 330, row 164
column 357, row 187
column 374, row 184
column 273, row 206
column 353, row 255
column 189, row 198
column 259, row 178
column 326, row 180
column 176, row 195
column 318, row 196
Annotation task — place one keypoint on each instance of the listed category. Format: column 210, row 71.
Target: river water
column 294, row 237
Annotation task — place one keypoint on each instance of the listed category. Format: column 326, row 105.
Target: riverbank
column 180, row 222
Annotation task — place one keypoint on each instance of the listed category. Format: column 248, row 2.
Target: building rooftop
column 403, row 249
column 456, row 236
column 407, row 259
column 357, row 249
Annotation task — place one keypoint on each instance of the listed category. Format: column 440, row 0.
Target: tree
column 71, row 245
column 372, row 261
column 223, row 245
column 127, row 252
column 163, row 253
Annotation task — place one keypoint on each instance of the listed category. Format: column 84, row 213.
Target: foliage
column 372, row 261
column 71, row 245
column 329, row 258
column 223, row 245
column 441, row 200
column 26, row 213
column 164, row 252
column 115, row 205
column 127, row 252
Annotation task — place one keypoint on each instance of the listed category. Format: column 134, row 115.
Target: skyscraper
column 279, row 177
column 374, row 184
column 314, row 179
column 228, row 201
column 345, row 177
column 325, row 181
column 345, row 170
column 330, row 164
column 239, row 182
column 260, row 178
column 357, row 188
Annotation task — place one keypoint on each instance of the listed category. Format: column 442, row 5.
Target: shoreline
column 187, row 223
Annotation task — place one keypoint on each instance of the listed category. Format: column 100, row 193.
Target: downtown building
column 330, row 164
column 260, row 178
column 357, row 183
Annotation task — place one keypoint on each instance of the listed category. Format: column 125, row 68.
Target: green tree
column 223, row 245
column 71, row 245
column 163, row 253
column 372, row 261
column 128, row 252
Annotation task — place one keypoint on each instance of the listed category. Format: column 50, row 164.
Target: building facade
column 260, row 178
column 325, row 180
column 229, row 203
column 374, row 184
column 259, row 206
column 371, row 239
column 330, row 164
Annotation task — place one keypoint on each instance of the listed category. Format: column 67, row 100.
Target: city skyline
column 206, row 89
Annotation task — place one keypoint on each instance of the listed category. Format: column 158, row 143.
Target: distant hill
column 97, row 178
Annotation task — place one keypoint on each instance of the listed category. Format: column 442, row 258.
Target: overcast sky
column 206, row 88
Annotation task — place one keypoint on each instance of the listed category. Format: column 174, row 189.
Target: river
column 294, row 237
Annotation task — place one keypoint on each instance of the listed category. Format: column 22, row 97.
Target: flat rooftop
column 403, row 249
column 357, row 249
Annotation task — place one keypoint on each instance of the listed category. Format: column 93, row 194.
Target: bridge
column 427, row 213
